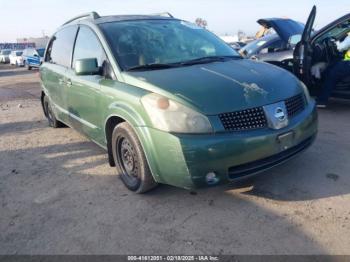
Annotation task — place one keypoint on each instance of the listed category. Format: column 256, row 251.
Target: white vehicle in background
column 4, row 56
column 16, row 58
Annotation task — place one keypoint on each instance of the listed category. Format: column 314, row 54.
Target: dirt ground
column 58, row 194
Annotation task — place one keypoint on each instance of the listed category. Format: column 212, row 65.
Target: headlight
column 171, row 116
column 306, row 92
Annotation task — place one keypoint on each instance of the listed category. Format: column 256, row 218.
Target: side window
column 88, row 46
column 61, row 46
column 273, row 47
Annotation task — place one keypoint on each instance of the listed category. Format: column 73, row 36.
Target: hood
column 284, row 27
column 222, row 86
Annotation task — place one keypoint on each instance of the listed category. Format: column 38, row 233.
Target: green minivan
column 170, row 102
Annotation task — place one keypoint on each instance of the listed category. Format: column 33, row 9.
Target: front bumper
column 184, row 160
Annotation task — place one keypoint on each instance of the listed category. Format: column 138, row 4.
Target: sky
column 33, row 18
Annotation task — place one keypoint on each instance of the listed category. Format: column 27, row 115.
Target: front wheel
column 28, row 66
column 130, row 159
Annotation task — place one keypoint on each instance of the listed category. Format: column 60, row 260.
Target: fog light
column 211, row 178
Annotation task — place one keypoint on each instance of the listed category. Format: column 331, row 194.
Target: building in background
column 16, row 46
column 40, row 42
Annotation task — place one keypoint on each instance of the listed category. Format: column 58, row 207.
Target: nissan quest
column 170, row 102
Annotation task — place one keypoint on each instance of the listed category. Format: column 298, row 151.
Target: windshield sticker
column 191, row 25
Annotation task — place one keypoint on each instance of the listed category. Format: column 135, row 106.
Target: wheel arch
column 121, row 116
column 111, row 122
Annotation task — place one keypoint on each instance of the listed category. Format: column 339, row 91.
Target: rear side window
column 88, row 46
column 61, row 47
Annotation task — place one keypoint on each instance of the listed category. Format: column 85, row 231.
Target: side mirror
column 36, row 55
column 86, row 66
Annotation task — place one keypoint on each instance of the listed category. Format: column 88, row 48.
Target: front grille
column 295, row 105
column 254, row 118
column 268, row 162
column 248, row 119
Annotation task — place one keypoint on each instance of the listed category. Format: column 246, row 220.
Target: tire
column 130, row 160
column 27, row 65
column 53, row 122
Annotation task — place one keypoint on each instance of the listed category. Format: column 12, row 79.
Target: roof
column 119, row 18
column 95, row 18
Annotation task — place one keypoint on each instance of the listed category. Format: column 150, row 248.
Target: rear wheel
column 53, row 122
column 130, row 159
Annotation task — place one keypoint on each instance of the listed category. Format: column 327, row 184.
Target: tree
column 201, row 22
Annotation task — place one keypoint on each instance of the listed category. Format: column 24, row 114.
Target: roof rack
column 92, row 15
column 164, row 14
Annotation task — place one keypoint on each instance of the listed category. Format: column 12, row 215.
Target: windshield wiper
column 150, row 67
column 209, row 59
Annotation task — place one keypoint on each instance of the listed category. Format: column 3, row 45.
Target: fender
column 126, row 113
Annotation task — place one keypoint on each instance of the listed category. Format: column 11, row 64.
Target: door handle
column 69, row 83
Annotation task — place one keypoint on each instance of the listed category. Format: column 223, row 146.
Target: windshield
column 5, row 52
column 143, row 42
column 41, row 52
column 19, row 53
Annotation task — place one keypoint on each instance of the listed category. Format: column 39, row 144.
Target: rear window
column 61, row 47
column 19, row 53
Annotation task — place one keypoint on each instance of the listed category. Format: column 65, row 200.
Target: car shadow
column 20, row 127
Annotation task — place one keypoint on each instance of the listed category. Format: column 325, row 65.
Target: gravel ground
column 59, row 196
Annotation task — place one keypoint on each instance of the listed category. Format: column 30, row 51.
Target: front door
column 83, row 92
column 302, row 57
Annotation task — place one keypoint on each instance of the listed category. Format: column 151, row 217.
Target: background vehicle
column 172, row 103
column 4, row 56
column 33, row 57
column 320, row 47
column 276, row 48
column 16, row 58
column 233, row 41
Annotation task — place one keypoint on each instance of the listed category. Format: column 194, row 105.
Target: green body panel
column 184, row 160
column 53, row 78
column 221, row 87
column 88, row 101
